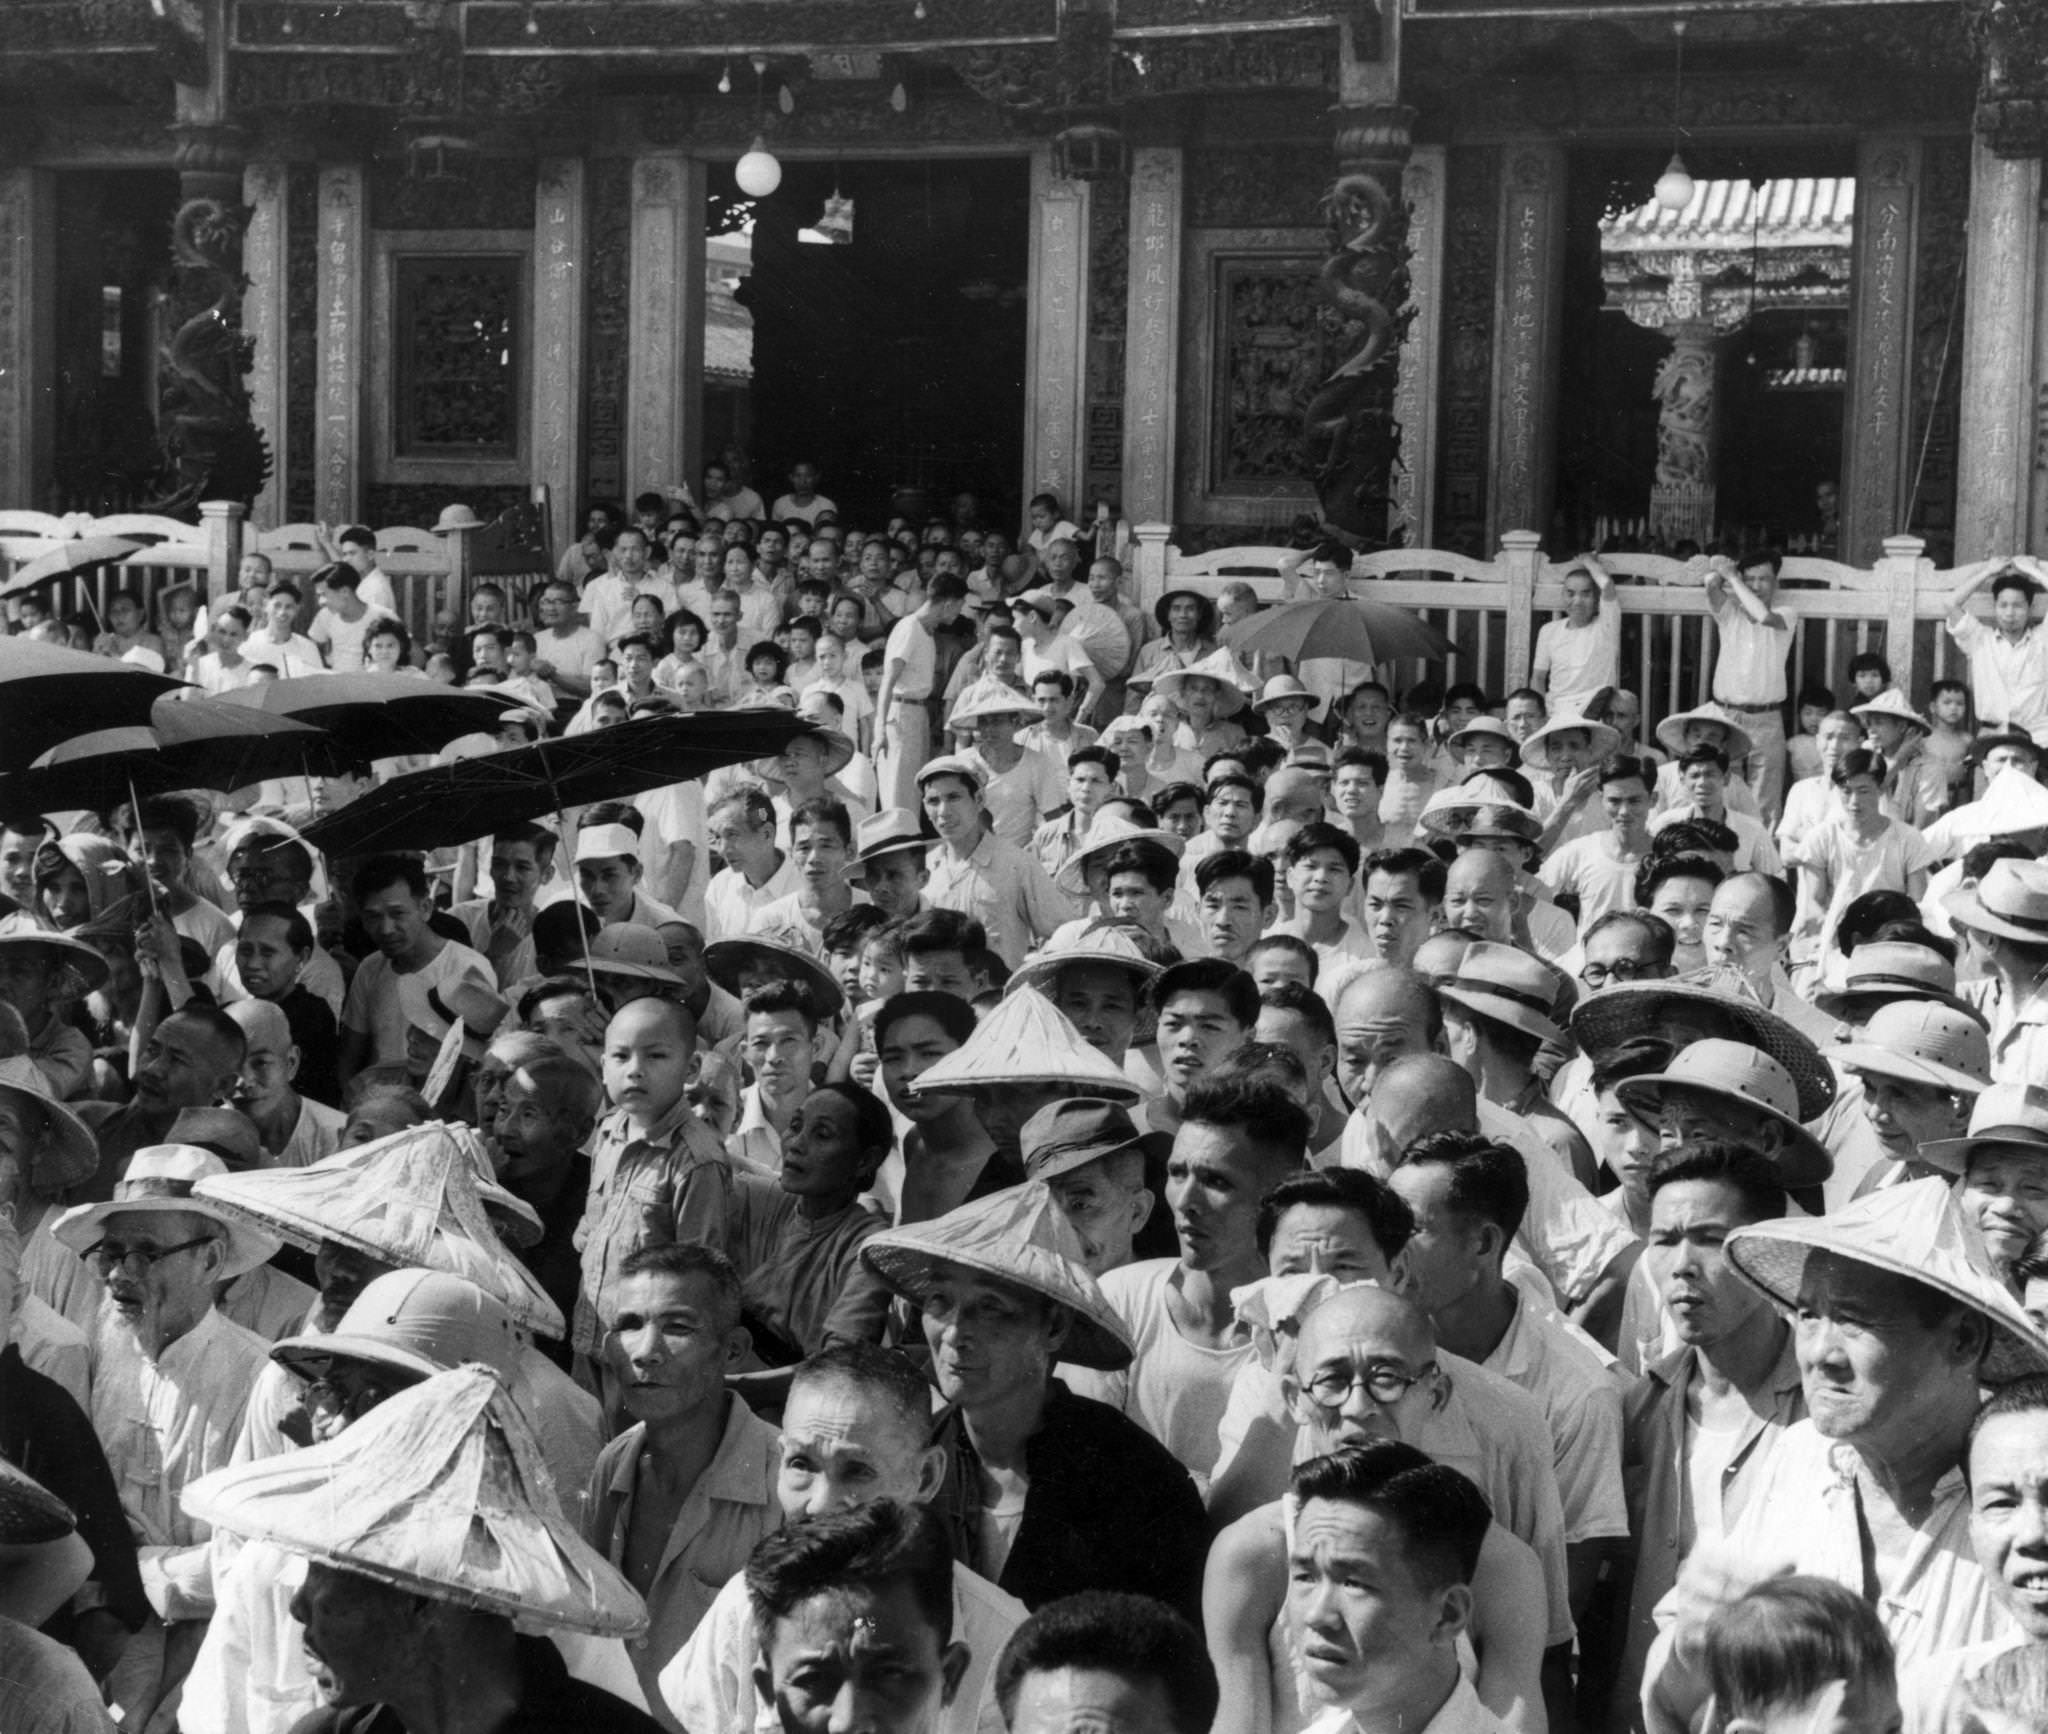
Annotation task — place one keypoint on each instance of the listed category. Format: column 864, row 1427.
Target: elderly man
column 1497, row 1019
column 855, row 1431
column 294, row 1129
column 1093, row 1157
column 1045, row 1492
column 1898, row 1323
column 193, row 1059
column 1118, row 1663
column 171, row 1377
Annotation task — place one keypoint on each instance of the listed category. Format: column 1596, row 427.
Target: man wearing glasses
column 171, row 1378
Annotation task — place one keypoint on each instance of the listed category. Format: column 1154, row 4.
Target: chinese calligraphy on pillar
column 337, row 428
column 1058, row 334
column 1153, row 345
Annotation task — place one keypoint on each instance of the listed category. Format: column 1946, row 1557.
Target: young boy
column 1410, row 781
column 1322, row 869
column 2008, row 658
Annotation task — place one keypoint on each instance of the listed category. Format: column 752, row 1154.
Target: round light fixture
column 1674, row 185
column 758, row 172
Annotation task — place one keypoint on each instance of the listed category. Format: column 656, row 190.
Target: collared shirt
column 2019, row 1043
column 730, row 902
column 753, row 1145
column 912, row 644
column 163, row 1422
column 709, row 1688
column 1462, row 1713
column 1001, row 887
column 802, row 1283
column 316, row 1133
column 629, row 1170
column 2008, row 681
column 607, row 603
column 1570, row 1375
column 1750, row 665
column 730, row 1507
column 1015, row 798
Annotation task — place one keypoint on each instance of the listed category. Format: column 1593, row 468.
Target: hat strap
column 151, row 1186
column 1534, row 1002
column 2034, row 923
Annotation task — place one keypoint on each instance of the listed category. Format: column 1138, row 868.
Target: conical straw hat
column 1105, row 835
column 1016, row 1236
column 440, row 1490
column 1026, row 1040
column 1219, row 666
column 1917, row 1231
column 410, row 1199
column 1101, row 944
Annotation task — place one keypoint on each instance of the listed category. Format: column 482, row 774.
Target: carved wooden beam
column 2011, row 42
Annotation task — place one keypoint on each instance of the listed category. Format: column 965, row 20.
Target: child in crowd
column 1802, row 751
column 1411, row 780
column 803, row 652
column 441, row 669
column 1801, row 1655
column 1948, row 746
column 1812, row 800
column 520, row 651
column 1871, row 676
column 128, row 630
column 767, row 663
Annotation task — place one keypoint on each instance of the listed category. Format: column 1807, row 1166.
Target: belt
column 1750, row 709
column 908, row 698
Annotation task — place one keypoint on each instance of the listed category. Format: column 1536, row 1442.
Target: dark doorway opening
column 895, row 361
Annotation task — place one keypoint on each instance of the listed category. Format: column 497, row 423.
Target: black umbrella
column 48, row 694
column 477, row 797
column 379, row 716
column 68, row 558
column 1353, row 629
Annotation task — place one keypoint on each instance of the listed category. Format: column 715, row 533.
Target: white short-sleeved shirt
column 383, row 1004
column 1569, row 1374
column 1750, row 666
column 1853, row 868
column 1579, row 660
column 1018, row 799
column 1590, row 869
column 2008, row 681
column 912, row 645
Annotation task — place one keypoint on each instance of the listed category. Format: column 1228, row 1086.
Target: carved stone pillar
column 338, row 372
column 2001, row 363
column 28, row 335
column 1412, row 517
column 665, row 324
column 1877, row 460
column 264, row 255
column 1056, row 334
column 1682, row 498
column 559, row 263
column 1348, row 432
column 1152, row 347
column 1523, row 445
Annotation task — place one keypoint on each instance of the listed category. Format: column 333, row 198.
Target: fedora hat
column 1880, row 971
column 456, row 518
column 1684, row 1012
column 1108, row 833
column 1737, row 1072
column 1025, row 1039
column 992, row 698
column 889, row 832
column 1205, row 626
column 1017, row 1237
column 2010, row 901
column 441, row 1490
column 1891, row 705
column 1484, row 728
column 1671, row 731
column 415, row 1198
column 1606, row 741
column 1063, row 1136
column 1099, row 944
column 2007, row 1114
column 724, row 960
column 1218, row 666
column 1922, row 1041
column 1916, row 1231
column 950, row 765
column 65, row 1153
column 1983, row 745
column 626, row 948
column 416, row 1322
column 1311, row 756
column 164, row 1177
column 1280, row 689
column 1508, row 986
column 75, row 968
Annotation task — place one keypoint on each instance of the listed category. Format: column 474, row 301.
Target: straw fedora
column 1922, row 1041
column 1671, row 731
column 992, row 698
column 1880, row 971
column 1280, row 689
column 1684, row 1011
column 1218, row 666
column 1205, row 624
column 1740, row 1073
column 1063, row 1136
column 1109, row 832
column 950, row 765
column 1916, row 1231
column 1098, row 945
column 416, row 1322
column 456, row 518
column 65, row 1153
column 1312, row 756
column 607, row 843
column 1606, row 742
column 1025, row 1040
column 1508, row 986
column 1019, row 1238
column 75, row 968
column 892, row 831
column 2011, row 1115
column 164, row 1177
column 1489, row 728
column 626, row 948
column 441, row 1490
column 416, row 1197
column 725, row 959
column 1893, row 706
column 2010, row 901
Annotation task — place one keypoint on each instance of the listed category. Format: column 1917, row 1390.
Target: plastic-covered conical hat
column 1016, row 1236
column 409, row 1199
column 440, row 1490
column 1026, row 1039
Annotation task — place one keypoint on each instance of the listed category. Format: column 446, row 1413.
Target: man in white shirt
column 342, row 626
column 903, row 724
column 357, row 547
column 1097, row 629
column 1749, row 669
column 1035, row 615
column 275, row 644
column 607, row 600
column 2008, row 658
column 563, row 648
column 803, row 499
column 397, row 1008
column 726, row 498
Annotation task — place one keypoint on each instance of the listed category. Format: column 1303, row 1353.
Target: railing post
column 1521, row 558
column 1904, row 566
column 1148, row 563
column 222, row 522
column 456, row 586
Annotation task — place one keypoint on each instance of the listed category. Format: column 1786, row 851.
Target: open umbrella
column 378, row 716
column 81, row 555
column 476, row 797
column 1353, row 630
column 48, row 694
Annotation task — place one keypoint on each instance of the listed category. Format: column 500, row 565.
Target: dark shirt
column 553, row 1259
column 550, row 1702
column 45, row 1434
column 120, row 1132
column 1108, row 1508
column 318, row 1039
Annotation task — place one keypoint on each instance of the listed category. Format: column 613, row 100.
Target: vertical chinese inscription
column 1526, row 369
column 1154, row 335
column 1412, row 484
column 1996, row 410
column 1888, row 172
column 263, row 322
column 1059, row 302
column 337, row 428
column 558, row 253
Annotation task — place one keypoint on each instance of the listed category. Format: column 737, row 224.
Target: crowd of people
column 1105, row 1189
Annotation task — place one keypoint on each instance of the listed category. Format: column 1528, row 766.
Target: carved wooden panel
column 1415, row 393
column 338, row 431
column 1102, row 462
column 1057, row 335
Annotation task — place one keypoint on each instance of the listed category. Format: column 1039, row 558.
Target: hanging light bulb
column 918, row 11
column 532, row 23
column 899, row 98
column 725, row 79
column 758, row 172
column 786, row 101
column 1675, row 185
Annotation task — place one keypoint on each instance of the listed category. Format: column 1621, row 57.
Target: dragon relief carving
column 214, row 450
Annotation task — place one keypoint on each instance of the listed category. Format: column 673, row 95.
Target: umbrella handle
column 562, row 830
column 148, row 884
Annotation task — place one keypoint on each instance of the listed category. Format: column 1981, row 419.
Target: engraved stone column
column 338, row 367
column 1682, row 498
column 2001, row 361
column 264, row 256
column 665, row 324
column 1877, row 436
column 1056, row 335
column 1412, row 511
column 28, row 335
column 1153, row 346
column 558, row 259
column 1526, row 302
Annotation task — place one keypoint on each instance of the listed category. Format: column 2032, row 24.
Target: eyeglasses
column 1384, row 1382
column 1597, row 975
column 137, row 1260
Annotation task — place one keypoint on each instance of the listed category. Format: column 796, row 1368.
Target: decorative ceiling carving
column 2011, row 41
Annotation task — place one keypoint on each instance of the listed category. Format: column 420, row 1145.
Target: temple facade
column 1432, row 269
